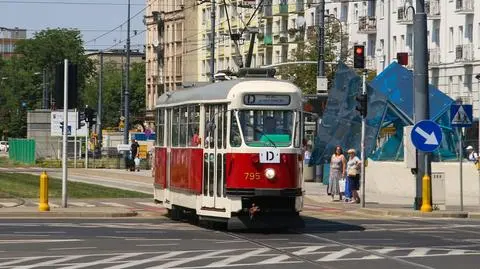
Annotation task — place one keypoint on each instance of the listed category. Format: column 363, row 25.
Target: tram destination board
column 266, row 100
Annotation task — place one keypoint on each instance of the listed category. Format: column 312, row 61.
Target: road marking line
column 157, row 245
column 307, row 250
column 153, row 259
column 57, row 232
column 104, row 261
column 382, row 251
column 187, row 260
column 71, row 248
column 15, row 241
column 20, row 260
column 114, row 204
column 419, row 252
column 8, row 204
column 82, row 204
column 237, row 258
column 336, row 255
column 149, row 239
column 274, row 260
column 52, row 262
column 150, row 204
column 457, row 252
column 140, row 232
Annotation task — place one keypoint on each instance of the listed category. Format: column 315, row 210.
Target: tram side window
column 235, row 138
column 183, row 127
column 160, row 126
column 175, row 127
column 194, row 126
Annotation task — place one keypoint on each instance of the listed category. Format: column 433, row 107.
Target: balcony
column 280, row 10
column 464, row 7
column 434, row 57
column 267, row 40
column 367, row 25
column 432, row 8
column 404, row 17
column 464, row 53
column 299, row 7
column 267, row 11
column 311, row 32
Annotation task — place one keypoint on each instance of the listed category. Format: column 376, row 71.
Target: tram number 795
column 252, row 176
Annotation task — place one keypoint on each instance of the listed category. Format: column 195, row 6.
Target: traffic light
column 72, row 86
column 81, row 120
column 359, row 56
column 362, row 104
column 402, row 58
column 90, row 116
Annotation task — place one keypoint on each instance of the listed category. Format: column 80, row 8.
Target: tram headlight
column 270, row 173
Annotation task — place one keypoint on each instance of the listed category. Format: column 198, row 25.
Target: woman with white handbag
column 353, row 175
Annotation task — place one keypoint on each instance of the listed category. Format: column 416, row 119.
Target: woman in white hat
column 472, row 155
column 353, row 175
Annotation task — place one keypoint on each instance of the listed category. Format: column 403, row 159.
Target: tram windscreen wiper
column 256, row 129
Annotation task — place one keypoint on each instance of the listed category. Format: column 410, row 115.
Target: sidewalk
column 316, row 199
column 316, row 195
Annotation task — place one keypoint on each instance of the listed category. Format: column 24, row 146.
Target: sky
column 101, row 22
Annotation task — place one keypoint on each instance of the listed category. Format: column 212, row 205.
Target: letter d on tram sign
column 269, row 155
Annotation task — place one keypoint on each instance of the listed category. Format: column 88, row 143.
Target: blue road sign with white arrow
column 461, row 115
column 426, row 136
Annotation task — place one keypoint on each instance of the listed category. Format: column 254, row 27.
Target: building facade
column 8, row 38
column 387, row 28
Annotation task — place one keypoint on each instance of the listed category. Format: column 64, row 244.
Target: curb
column 410, row 213
column 65, row 213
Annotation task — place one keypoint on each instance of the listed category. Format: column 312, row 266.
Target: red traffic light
column 359, row 50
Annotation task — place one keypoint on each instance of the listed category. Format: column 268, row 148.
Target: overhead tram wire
column 65, row 3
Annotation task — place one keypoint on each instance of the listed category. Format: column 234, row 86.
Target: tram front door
column 214, row 157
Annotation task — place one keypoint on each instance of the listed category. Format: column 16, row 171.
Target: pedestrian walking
column 353, row 175
column 134, row 155
column 337, row 172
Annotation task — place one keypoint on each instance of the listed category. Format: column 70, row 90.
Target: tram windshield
column 262, row 128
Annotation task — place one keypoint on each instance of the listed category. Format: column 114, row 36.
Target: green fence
column 22, row 150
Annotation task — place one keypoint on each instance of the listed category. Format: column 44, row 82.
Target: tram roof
column 209, row 92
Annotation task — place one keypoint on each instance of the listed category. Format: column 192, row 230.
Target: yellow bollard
column 43, row 205
column 426, row 207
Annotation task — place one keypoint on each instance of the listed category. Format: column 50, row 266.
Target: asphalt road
column 161, row 243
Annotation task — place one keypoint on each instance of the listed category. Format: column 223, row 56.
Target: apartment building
column 8, row 38
column 385, row 27
column 165, row 47
column 275, row 24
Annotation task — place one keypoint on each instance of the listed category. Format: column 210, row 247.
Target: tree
column 336, row 49
column 112, row 83
column 22, row 88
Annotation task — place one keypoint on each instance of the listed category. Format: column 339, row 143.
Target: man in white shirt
column 472, row 155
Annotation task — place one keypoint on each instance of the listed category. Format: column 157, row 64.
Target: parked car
column 4, row 146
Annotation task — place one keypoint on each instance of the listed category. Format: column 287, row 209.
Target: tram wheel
column 176, row 213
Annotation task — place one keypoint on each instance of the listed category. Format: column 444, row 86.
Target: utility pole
column 420, row 77
column 320, row 40
column 127, row 81
column 212, row 42
column 100, row 102
column 44, row 100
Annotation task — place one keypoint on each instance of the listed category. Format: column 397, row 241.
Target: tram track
column 328, row 241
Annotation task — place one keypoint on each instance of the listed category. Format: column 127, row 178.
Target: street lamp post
column 478, row 109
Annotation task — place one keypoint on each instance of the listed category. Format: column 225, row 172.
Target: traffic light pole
column 65, row 135
column 362, row 143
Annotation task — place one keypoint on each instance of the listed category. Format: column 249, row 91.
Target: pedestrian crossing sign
column 461, row 115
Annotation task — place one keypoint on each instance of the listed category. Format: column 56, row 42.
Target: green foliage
column 21, row 89
column 336, row 48
column 112, row 84
column 27, row 186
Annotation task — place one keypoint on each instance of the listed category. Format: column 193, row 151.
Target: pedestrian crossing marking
column 461, row 117
column 233, row 257
column 114, row 204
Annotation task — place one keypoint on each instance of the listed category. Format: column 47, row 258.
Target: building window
column 410, row 41
column 402, row 43
column 450, row 86
column 450, row 39
column 460, row 35
column 382, row 8
column 470, row 33
column 355, row 12
column 394, row 45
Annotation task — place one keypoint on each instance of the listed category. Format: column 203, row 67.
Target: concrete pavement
column 316, row 198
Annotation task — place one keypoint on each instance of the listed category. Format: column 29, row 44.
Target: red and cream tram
column 231, row 151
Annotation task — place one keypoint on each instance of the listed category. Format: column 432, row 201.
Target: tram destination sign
column 266, row 100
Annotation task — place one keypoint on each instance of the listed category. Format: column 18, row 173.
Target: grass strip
column 18, row 185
